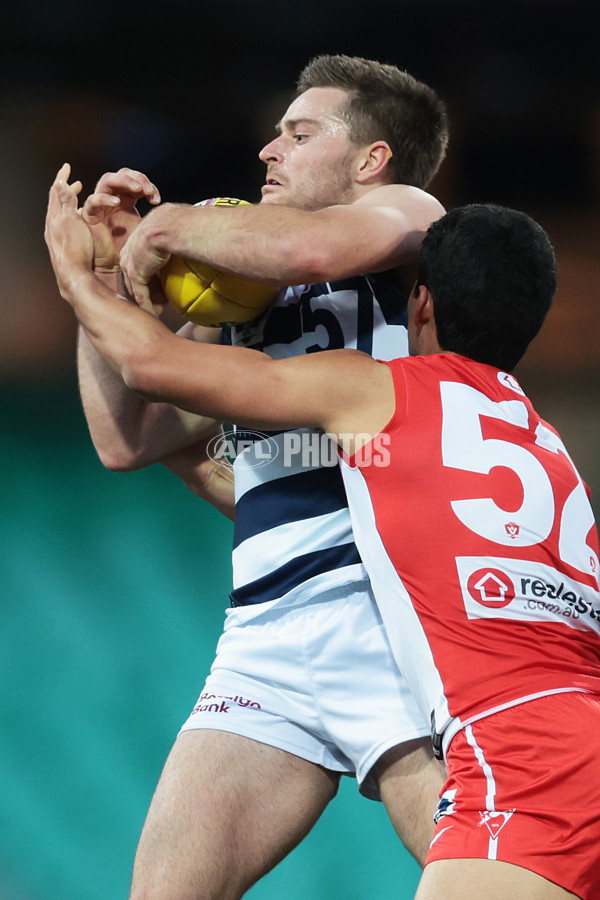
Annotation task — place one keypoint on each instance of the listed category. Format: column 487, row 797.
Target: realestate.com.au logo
column 293, row 449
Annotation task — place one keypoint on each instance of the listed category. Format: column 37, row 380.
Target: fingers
column 118, row 191
column 128, row 183
column 69, row 240
column 110, row 191
column 140, row 293
column 63, row 174
column 98, row 205
column 137, row 282
column 59, row 185
column 62, row 194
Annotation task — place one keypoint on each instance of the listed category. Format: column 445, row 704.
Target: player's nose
column 273, row 151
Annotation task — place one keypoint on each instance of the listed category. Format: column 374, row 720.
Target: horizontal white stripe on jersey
column 281, row 463
column 349, row 578
column 269, row 550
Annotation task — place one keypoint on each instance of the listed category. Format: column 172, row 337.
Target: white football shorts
column 316, row 678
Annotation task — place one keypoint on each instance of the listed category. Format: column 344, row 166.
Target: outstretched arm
column 282, row 245
column 224, row 383
column 127, row 431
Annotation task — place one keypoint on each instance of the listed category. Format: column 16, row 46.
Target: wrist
column 161, row 227
column 74, row 282
column 112, row 277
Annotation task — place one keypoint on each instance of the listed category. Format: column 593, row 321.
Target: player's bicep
column 398, row 218
column 383, row 230
column 323, row 390
column 416, row 207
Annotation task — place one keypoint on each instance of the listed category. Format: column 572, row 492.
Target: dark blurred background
column 113, row 586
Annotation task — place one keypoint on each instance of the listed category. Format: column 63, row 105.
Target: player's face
column 310, row 162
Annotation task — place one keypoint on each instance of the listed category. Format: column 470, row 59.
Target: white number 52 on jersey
column 465, row 448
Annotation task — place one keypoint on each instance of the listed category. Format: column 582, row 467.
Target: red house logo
column 491, row 588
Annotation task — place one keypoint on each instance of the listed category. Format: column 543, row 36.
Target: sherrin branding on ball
column 208, row 297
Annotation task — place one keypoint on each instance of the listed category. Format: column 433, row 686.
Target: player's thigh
column 222, row 798
column 410, row 780
column 472, row 879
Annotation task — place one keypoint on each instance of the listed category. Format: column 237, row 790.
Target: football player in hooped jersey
column 343, row 196
column 476, row 530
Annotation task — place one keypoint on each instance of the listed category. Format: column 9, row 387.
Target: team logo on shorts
column 491, row 588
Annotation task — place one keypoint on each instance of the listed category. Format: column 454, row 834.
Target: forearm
column 283, row 245
column 111, row 410
column 128, row 432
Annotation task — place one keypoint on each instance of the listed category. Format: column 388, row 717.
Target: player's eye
column 300, row 137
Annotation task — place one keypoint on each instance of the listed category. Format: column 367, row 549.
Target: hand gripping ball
column 208, row 297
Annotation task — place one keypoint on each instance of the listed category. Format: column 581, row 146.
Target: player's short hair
column 491, row 272
column 390, row 105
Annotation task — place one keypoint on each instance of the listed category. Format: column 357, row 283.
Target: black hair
column 491, row 272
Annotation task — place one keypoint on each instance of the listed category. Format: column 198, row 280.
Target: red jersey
column 480, row 542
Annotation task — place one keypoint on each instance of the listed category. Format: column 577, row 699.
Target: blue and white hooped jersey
column 292, row 528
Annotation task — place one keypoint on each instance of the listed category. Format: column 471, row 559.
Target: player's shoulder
column 402, row 197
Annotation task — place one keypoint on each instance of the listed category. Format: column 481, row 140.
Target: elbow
column 320, row 269
column 120, row 458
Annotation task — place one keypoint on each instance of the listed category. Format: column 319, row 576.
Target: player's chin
column 284, row 199
column 277, row 193
column 272, row 197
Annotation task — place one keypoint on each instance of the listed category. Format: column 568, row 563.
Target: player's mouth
column 272, row 183
column 273, row 186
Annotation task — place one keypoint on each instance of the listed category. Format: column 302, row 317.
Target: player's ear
column 372, row 161
column 423, row 308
